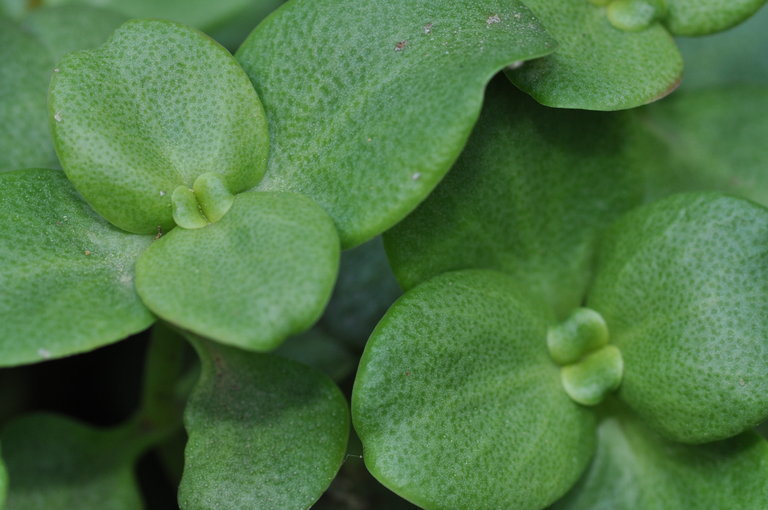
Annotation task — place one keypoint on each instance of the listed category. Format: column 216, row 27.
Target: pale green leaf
column 261, row 273
column 369, row 103
column 55, row 463
column 701, row 17
column 735, row 56
column 596, row 65
column 458, row 404
column 153, row 109
column 67, row 276
column 709, row 139
column 264, row 432
column 69, row 28
column 683, row 286
column 528, row 196
column 24, row 75
column 634, row 468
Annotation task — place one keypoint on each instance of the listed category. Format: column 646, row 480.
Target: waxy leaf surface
column 683, row 286
column 154, row 108
column 55, row 463
column 370, row 103
column 67, row 275
column 529, row 195
column 24, row 75
column 597, row 66
column 458, row 404
column 701, row 17
column 709, row 139
column 261, row 273
column 264, row 432
column 634, row 468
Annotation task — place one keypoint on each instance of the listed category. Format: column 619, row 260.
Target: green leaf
column 234, row 31
column 66, row 274
column 261, row 273
column 528, row 196
column 597, row 66
column 634, row 468
column 683, row 287
column 369, row 103
column 458, row 404
column 157, row 106
column 76, row 27
column 24, row 74
column 319, row 351
column 701, row 17
column 709, row 139
column 55, row 463
column 734, row 56
column 264, row 432
column 365, row 288
column 3, row 482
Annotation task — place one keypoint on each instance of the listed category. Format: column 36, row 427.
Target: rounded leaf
column 264, row 432
column 67, row 276
column 261, row 273
column 458, row 404
column 701, row 17
column 153, row 109
column 369, row 103
column 683, row 286
column 529, row 195
column 597, row 66
column 634, row 468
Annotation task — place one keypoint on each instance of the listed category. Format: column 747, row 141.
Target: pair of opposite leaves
column 457, row 400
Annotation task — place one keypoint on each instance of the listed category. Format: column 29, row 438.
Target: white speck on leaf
column 162, row 193
column 44, row 353
column 428, row 28
column 416, row 176
column 401, row 45
column 516, row 65
column 741, row 382
column 55, row 69
column 492, row 20
column 57, row 116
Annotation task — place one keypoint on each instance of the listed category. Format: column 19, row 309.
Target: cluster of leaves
column 570, row 335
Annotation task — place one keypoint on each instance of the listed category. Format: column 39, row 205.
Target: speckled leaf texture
column 634, row 468
column 67, row 276
column 683, row 286
column 154, row 108
column 55, row 463
column 24, row 74
column 701, row 17
column 458, row 404
column 597, row 66
column 69, row 28
column 369, row 103
column 264, row 433
column 261, row 273
column 709, row 139
column 529, row 195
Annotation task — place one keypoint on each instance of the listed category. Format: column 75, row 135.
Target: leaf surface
column 154, row 108
column 55, row 463
column 24, row 74
column 597, row 66
column 683, row 286
column 528, row 196
column 264, row 432
column 67, row 275
column 458, row 404
column 701, row 17
column 320, row 351
column 261, row 273
column 370, row 103
column 635, row 468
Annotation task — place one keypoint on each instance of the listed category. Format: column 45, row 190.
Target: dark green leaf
column 369, row 103
column 3, row 482
column 67, row 275
column 151, row 110
column 264, row 432
column 634, row 468
column 528, row 196
column 683, row 286
column 55, row 463
column 597, row 66
column 261, row 273
column 24, row 74
column 458, row 404
column 320, row 351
